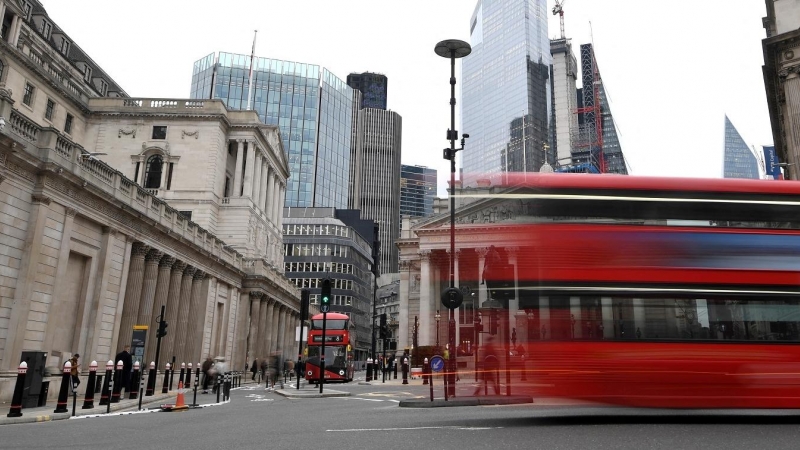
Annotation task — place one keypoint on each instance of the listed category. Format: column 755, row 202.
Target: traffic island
column 310, row 392
column 466, row 401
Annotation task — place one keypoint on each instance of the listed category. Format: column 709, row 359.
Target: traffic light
column 162, row 328
column 325, row 297
column 384, row 328
column 304, row 297
column 494, row 320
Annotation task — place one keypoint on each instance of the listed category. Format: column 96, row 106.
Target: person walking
column 74, row 371
column 254, row 369
column 207, row 367
column 127, row 366
column 219, row 368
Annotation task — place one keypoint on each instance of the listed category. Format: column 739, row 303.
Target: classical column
column 267, row 306
column 262, row 199
column 275, row 201
column 194, row 339
column 148, row 291
column 290, row 334
column 406, row 320
column 162, row 290
column 281, row 202
column 425, row 314
column 273, row 343
column 184, row 309
column 173, row 301
column 133, row 294
column 249, row 169
column 237, row 177
column 257, row 179
column 242, row 329
column 269, row 314
column 255, row 336
column 791, row 88
column 282, row 328
column 270, row 203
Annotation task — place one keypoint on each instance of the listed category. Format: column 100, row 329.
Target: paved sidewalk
column 152, row 403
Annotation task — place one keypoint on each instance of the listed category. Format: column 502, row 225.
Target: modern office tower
column 565, row 99
column 417, row 190
column 328, row 242
column 311, row 106
column 739, row 159
column 596, row 128
column 782, row 80
column 373, row 87
column 380, row 179
column 505, row 98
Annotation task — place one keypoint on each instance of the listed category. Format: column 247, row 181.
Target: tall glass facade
column 740, row 162
column 310, row 105
column 506, row 96
column 417, row 190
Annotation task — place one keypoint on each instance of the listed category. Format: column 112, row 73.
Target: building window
column 50, row 110
column 159, row 132
column 26, row 8
column 64, row 46
column 152, row 173
column 46, row 27
column 68, row 124
column 186, row 215
column 27, row 98
column 2, row 68
column 87, row 73
column 103, row 88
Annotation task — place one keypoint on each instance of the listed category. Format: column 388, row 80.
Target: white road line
column 417, row 428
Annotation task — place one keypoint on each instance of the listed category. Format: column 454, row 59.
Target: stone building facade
column 87, row 250
column 782, row 81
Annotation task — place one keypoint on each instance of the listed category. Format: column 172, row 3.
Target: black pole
column 134, row 393
column 196, row 382
column 188, row 383
column 88, row 398
column 117, row 381
column 16, row 401
column 383, row 368
column 61, row 406
column 74, row 398
column 105, row 393
column 172, row 372
column 158, row 334
column 305, row 296
column 151, row 380
column 371, row 374
column 140, row 389
column 165, row 387
column 322, row 353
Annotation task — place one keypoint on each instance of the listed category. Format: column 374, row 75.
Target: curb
column 310, row 394
column 465, row 401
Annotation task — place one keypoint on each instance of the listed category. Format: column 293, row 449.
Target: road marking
column 418, row 428
column 388, row 394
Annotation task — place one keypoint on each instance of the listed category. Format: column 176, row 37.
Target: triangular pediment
column 485, row 208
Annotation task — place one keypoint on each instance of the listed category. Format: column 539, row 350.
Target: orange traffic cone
column 180, row 402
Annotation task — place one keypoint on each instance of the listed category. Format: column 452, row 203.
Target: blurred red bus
column 652, row 292
column 338, row 351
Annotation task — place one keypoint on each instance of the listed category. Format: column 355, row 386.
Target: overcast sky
column 672, row 69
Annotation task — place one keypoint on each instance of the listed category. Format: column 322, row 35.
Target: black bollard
column 151, row 380
column 188, row 376
column 105, row 393
column 183, row 372
column 115, row 392
column 405, row 370
column 133, row 394
column 88, row 398
column 196, row 380
column 61, row 406
column 16, row 401
column 395, row 369
column 141, row 389
column 165, row 387
column 218, row 386
column 426, row 371
column 369, row 369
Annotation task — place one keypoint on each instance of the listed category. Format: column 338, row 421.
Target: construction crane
column 559, row 11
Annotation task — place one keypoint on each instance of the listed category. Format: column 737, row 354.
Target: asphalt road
column 371, row 418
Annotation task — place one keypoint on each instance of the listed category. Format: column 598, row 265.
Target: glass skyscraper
column 311, row 106
column 373, row 86
column 740, row 162
column 506, row 99
column 417, row 190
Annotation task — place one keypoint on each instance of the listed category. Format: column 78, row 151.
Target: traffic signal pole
column 162, row 331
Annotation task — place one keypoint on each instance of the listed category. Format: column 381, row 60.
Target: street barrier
column 88, row 398
column 16, row 401
column 115, row 392
column 105, row 394
column 151, row 380
column 165, row 387
column 61, row 406
column 133, row 394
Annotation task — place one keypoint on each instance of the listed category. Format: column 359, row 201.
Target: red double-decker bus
column 339, row 366
column 651, row 292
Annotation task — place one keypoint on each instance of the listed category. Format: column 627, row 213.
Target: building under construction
column 594, row 144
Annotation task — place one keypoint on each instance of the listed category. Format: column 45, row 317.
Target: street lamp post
column 452, row 49
column 438, row 317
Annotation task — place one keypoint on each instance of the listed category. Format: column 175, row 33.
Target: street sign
column 437, row 363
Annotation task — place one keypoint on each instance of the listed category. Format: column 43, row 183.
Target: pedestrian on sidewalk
column 74, row 371
column 254, row 369
column 127, row 366
column 219, row 368
column 208, row 364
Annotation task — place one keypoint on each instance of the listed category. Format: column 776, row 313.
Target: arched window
column 152, row 174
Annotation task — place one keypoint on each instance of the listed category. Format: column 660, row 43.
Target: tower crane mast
column 559, row 11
